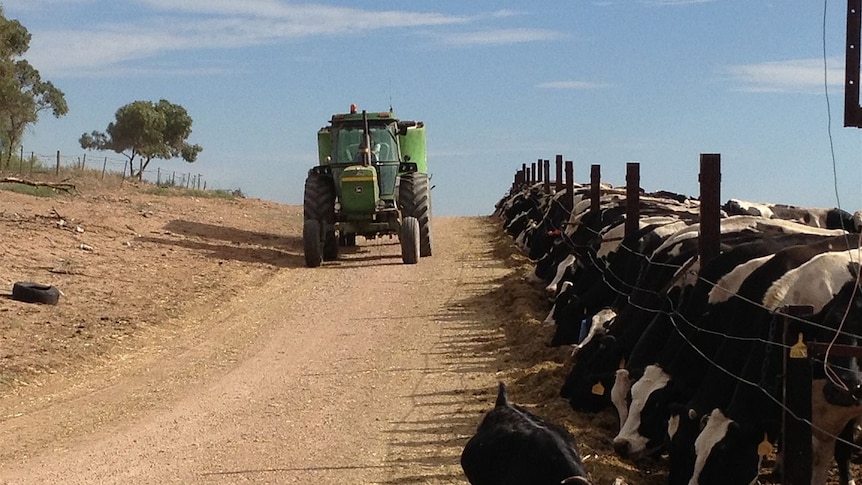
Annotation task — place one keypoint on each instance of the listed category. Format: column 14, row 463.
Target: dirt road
column 362, row 371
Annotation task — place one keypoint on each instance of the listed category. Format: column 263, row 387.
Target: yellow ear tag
column 799, row 350
column 598, row 389
column 765, row 447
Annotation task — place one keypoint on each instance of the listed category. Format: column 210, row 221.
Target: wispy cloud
column 572, row 85
column 500, row 37
column 797, row 76
column 168, row 25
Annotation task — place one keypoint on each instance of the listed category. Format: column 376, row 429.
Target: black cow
column 515, row 447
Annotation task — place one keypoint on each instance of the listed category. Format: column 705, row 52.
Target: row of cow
column 688, row 352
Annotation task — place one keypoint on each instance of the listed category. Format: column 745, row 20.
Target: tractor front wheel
column 410, row 240
column 414, row 199
column 312, row 243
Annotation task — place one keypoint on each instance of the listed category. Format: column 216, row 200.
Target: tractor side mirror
column 407, row 158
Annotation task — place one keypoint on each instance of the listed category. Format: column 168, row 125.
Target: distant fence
column 36, row 163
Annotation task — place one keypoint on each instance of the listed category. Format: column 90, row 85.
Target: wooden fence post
column 797, row 399
column 633, row 196
column 57, row 172
column 539, row 174
column 709, row 242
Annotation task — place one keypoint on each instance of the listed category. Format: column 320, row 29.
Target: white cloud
column 572, row 85
column 168, row 25
column 500, row 37
column 800, row 75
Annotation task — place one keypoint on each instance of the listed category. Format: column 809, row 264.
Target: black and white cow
column 513, row 446
column 669, row 371
column 829, row 282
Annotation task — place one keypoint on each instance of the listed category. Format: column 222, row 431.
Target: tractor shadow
column 228, row 243
column 367, row 253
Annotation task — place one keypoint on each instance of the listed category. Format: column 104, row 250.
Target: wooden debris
column 54, row 185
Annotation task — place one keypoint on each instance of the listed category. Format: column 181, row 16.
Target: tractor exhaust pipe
column 365, row 148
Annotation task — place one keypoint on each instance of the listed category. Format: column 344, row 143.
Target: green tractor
column 372, row 181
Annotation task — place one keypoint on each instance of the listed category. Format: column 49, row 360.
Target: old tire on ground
column 409, row 240
column 35, row 293
column 319, row 198
column 312, row 244
column 414, row 199
column 330, row 246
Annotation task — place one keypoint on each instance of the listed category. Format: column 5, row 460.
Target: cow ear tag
column 799, row 350
column 598, row 389
column 765, row 447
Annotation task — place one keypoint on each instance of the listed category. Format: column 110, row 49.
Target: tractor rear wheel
column 409, row 240
column 311, row 243
column 414, row 200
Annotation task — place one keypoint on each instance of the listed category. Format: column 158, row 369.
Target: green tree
column 145, row 130
column 23, row 93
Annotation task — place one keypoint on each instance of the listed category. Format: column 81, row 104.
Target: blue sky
column 497, row 84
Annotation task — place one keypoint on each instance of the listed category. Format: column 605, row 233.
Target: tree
column 146, row 130
column 23, row 93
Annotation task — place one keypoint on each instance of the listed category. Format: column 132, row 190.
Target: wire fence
column 25, row 164
column 536, row 184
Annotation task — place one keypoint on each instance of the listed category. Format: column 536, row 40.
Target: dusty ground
column 190, row 345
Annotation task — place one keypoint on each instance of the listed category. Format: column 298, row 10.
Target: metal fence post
column 547, row 172
column 633, row 199
column 595, row 187
column 709, row 242
column 797, row 399
column 559, row 163
column 570, row 186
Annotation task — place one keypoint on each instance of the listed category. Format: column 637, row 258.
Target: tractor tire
column 330, row 246
column 414, row 199
column 312, row 243
column 409, row 240
column 35, row 293
column 319, row 200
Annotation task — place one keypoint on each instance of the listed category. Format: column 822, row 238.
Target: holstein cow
column 731, row 435
column 660, row 373
column 513, row 446
column 743, row 324
column 588, row 385
column 825, row 218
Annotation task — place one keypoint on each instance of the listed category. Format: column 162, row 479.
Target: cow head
column 644, row 430
column 589, row 383
column 726, row 452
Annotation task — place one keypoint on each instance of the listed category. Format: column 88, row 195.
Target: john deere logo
column 358, row 189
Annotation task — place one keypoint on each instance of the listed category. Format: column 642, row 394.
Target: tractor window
column 383, row 141
column 348, row 140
